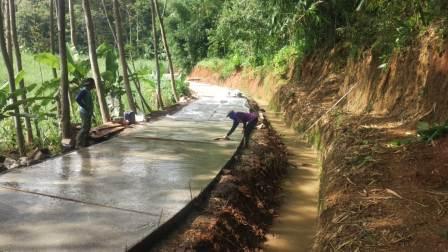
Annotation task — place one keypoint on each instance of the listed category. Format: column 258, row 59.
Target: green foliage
column 6, row 108
column 428, row 132
column 111, row 77
column 33, row 25
column 400, row 142
column 78, row 66
column 182, row 87
column 223, row 66
column 224, row 36
column 268, row 33
column 283, row 58
column 48, row 59
column 188, row 27
column 7, row 141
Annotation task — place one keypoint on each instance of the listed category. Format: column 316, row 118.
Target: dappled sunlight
column 203, row 177
column 385, row 125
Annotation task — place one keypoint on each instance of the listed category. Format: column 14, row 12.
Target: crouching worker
column 85, row 102
column 249, row 121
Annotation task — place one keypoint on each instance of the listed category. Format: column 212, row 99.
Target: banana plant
column 78, row 67
column 7, row 108
column 111, row 77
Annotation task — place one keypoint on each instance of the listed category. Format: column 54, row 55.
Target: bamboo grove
column 77, row 39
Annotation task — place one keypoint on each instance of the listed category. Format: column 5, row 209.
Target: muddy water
column 109, row 196
column 295, row 227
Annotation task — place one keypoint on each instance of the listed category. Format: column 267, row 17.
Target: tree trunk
column 71, row 12
column 12, row 87
column 109, row 22
column 138, row 87
column 164, row 8
column 167, row 50
column 53, row 48
column 36, row 126
column 136, row 82
column 156, row 56
column 64, row 89
column 130, row 27
column 422, row 13
column 94, row 61
column 137, row 39
column 57, row 97
column 124, row 66
column 15, row 42
column 8, row 36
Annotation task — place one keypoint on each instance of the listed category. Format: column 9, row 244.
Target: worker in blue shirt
column 85, row 102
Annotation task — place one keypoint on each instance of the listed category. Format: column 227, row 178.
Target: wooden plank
column 103, row 133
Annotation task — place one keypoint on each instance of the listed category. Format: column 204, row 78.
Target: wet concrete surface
column 109, row 196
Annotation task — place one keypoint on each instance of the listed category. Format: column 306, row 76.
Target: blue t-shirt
column 84, row 99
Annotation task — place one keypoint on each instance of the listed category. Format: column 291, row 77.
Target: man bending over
column 249, row 121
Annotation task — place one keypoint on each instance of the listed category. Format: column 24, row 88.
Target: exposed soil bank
column 238, row 211
column 376, row 192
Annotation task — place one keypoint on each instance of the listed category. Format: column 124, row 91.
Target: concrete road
column 109, row 196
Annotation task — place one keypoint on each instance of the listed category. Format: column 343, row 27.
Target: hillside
column 383, row 186
column 347, row 100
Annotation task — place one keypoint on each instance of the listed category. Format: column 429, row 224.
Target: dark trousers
column 249, row 127
column 83, row 135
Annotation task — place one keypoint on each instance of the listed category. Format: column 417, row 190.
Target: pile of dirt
column 241, row 206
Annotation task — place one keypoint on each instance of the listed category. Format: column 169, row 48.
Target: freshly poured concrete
column 109, row 196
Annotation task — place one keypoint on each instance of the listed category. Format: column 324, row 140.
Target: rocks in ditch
column 36, row 156
column 10, row 163
column 23, row 161
column 67, row 144
column 40, row 154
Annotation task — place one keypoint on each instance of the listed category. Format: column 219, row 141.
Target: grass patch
column 225, row 67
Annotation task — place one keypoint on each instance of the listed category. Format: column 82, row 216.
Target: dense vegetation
column 224, row 35
column 39, row 101
column 269, row 32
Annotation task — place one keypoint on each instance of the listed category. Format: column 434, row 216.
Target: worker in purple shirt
column 249, row 121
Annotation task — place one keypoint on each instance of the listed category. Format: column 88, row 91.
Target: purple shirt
column 241, row 117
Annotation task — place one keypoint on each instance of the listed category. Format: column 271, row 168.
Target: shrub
column 283, row 58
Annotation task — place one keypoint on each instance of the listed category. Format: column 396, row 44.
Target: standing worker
column 85, row 102
column 249, row 121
